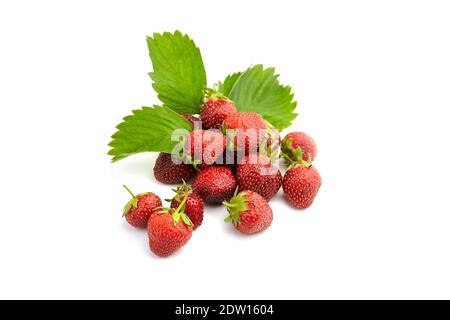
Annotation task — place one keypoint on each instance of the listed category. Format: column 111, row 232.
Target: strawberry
column 190, row 117
column 214, row 184
column 194, row 204
column 301, row 184
column 295, row 140
column 204, row 147
column 166, row 171
column 215, row 110
column 249, row 212
column 168, row 230
column 248, row 129
column 258, row 174
column 138, row 210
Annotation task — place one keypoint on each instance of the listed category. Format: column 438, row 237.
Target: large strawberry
column 194, row 204
column 299, row 142
column 246, row 129
column 168, row 230
column 138, row 210
column 257, row 173
column 167, row 171
column 302, row 182
column 249, row 212
column 215, row 109
column 214, row 184
column 204, row 147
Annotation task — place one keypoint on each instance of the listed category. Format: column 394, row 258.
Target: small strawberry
column 257, row 173
column 214, row 184
column 295, row 140
column 301, row 183
column 190, row 117
column 215, row 109
column 204, row 147
column 138, row 210
column 168, row 230
column 166, row 171
column 248, row 129
column 194, row 204
column 249, row 212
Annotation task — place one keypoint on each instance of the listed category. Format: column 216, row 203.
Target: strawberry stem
column 183, row 202
column 129, row 191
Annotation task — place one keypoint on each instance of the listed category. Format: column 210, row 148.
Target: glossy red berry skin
column 146, row 204
column 301, row 185
column 256, row 173
column 168, row 172
column 194, row 208
column 165, row 237
column 300, row 140
column 215, row 110
column 214, row 184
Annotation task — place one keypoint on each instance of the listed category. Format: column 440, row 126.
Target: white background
column 372, row 79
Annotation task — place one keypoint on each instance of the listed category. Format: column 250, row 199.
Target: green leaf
column 258, row 90
column 178, row 75
column 148, row 129
column 225, row 87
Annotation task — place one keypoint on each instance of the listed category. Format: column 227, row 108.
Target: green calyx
column 179, row 214
column 181, row 191
column 235, row 206
column 133, row 203
column 294, row 156
column 213, row 93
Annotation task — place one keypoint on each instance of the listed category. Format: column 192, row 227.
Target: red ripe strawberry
column 140, row 207
column 301, row 185
column 248, row 129
column 204, row 147
column 166, row 171
column 214, row 184
column 168, row 230
column 295, row 140
column 215, row 110
column 190, row 117
column 194, row 204
column 249, row 212
column 257, row 173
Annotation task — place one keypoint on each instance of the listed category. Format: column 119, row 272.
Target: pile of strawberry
column 244, row 189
